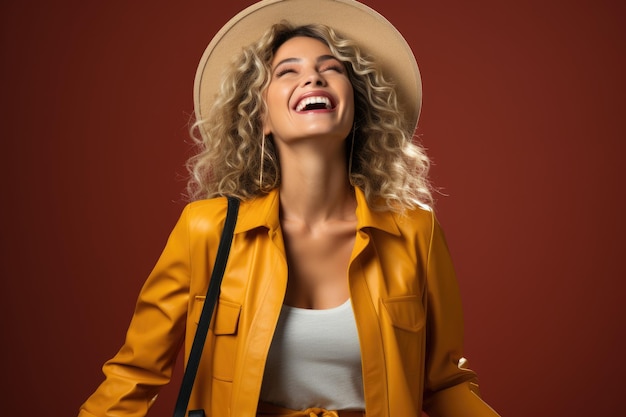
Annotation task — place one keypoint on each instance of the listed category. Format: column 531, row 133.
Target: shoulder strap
column 207, row 310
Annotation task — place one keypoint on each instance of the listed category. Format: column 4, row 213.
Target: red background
column 523, row 116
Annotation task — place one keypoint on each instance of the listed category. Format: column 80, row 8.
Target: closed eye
column 337, row 68
column 284, row 71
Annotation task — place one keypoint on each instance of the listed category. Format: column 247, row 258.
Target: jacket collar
column 263, row 211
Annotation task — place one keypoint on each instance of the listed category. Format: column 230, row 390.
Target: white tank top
column 315, row 360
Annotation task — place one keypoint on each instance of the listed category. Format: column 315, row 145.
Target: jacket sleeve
column 156, row 332
column 450, row 390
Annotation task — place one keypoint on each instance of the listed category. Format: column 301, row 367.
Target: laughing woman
column 339, row 293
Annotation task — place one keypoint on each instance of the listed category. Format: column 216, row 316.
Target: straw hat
column 374, row 34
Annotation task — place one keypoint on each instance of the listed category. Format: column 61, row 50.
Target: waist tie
column 271, row 410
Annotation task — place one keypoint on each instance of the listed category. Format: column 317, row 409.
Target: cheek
column 273, row 98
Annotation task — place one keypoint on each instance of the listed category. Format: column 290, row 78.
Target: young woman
column 339, row 292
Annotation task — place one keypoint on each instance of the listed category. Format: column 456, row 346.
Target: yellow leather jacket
column 404, row 295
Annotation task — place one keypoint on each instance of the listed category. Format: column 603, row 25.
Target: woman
column 339, row 292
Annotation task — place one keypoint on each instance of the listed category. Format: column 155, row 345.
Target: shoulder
column 203, row 216
column 419, row 220
column 206, row 207
column 420, row 227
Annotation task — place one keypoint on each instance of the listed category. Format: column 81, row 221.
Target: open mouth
column 315, row 103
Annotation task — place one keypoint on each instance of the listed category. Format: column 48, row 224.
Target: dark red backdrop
column 523, row 116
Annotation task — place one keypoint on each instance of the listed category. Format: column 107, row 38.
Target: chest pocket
column 406, row 312
column 226, row 318
column 403, row 330
column 224, row 328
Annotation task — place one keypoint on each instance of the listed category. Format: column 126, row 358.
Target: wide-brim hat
column 374, row 35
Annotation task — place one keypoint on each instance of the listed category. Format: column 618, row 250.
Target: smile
column 314, row 103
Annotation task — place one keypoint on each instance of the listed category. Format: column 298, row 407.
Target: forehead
column 301, row 47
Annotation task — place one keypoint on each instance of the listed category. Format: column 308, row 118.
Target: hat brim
column 374, row 34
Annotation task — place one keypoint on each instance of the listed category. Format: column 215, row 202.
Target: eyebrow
column 319, row 59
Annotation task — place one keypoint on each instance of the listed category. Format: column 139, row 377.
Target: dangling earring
column 351, row 155
column 262, row 159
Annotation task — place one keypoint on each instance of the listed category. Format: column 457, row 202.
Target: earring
column 262, row 159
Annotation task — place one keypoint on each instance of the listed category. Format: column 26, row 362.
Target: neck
column 314, row 185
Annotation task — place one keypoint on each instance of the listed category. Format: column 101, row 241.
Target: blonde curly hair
column 386, row 164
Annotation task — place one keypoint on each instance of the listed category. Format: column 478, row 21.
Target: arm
column 450, row 389
column 145, row 361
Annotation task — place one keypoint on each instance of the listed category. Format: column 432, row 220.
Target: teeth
column 313, row 100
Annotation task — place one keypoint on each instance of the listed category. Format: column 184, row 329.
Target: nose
column 313, row 78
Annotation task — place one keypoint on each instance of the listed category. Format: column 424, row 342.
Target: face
column 309, row 95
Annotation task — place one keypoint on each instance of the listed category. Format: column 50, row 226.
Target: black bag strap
column 207, row 310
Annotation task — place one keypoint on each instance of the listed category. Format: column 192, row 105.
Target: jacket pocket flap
column 405, row 312
column 225, row 318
